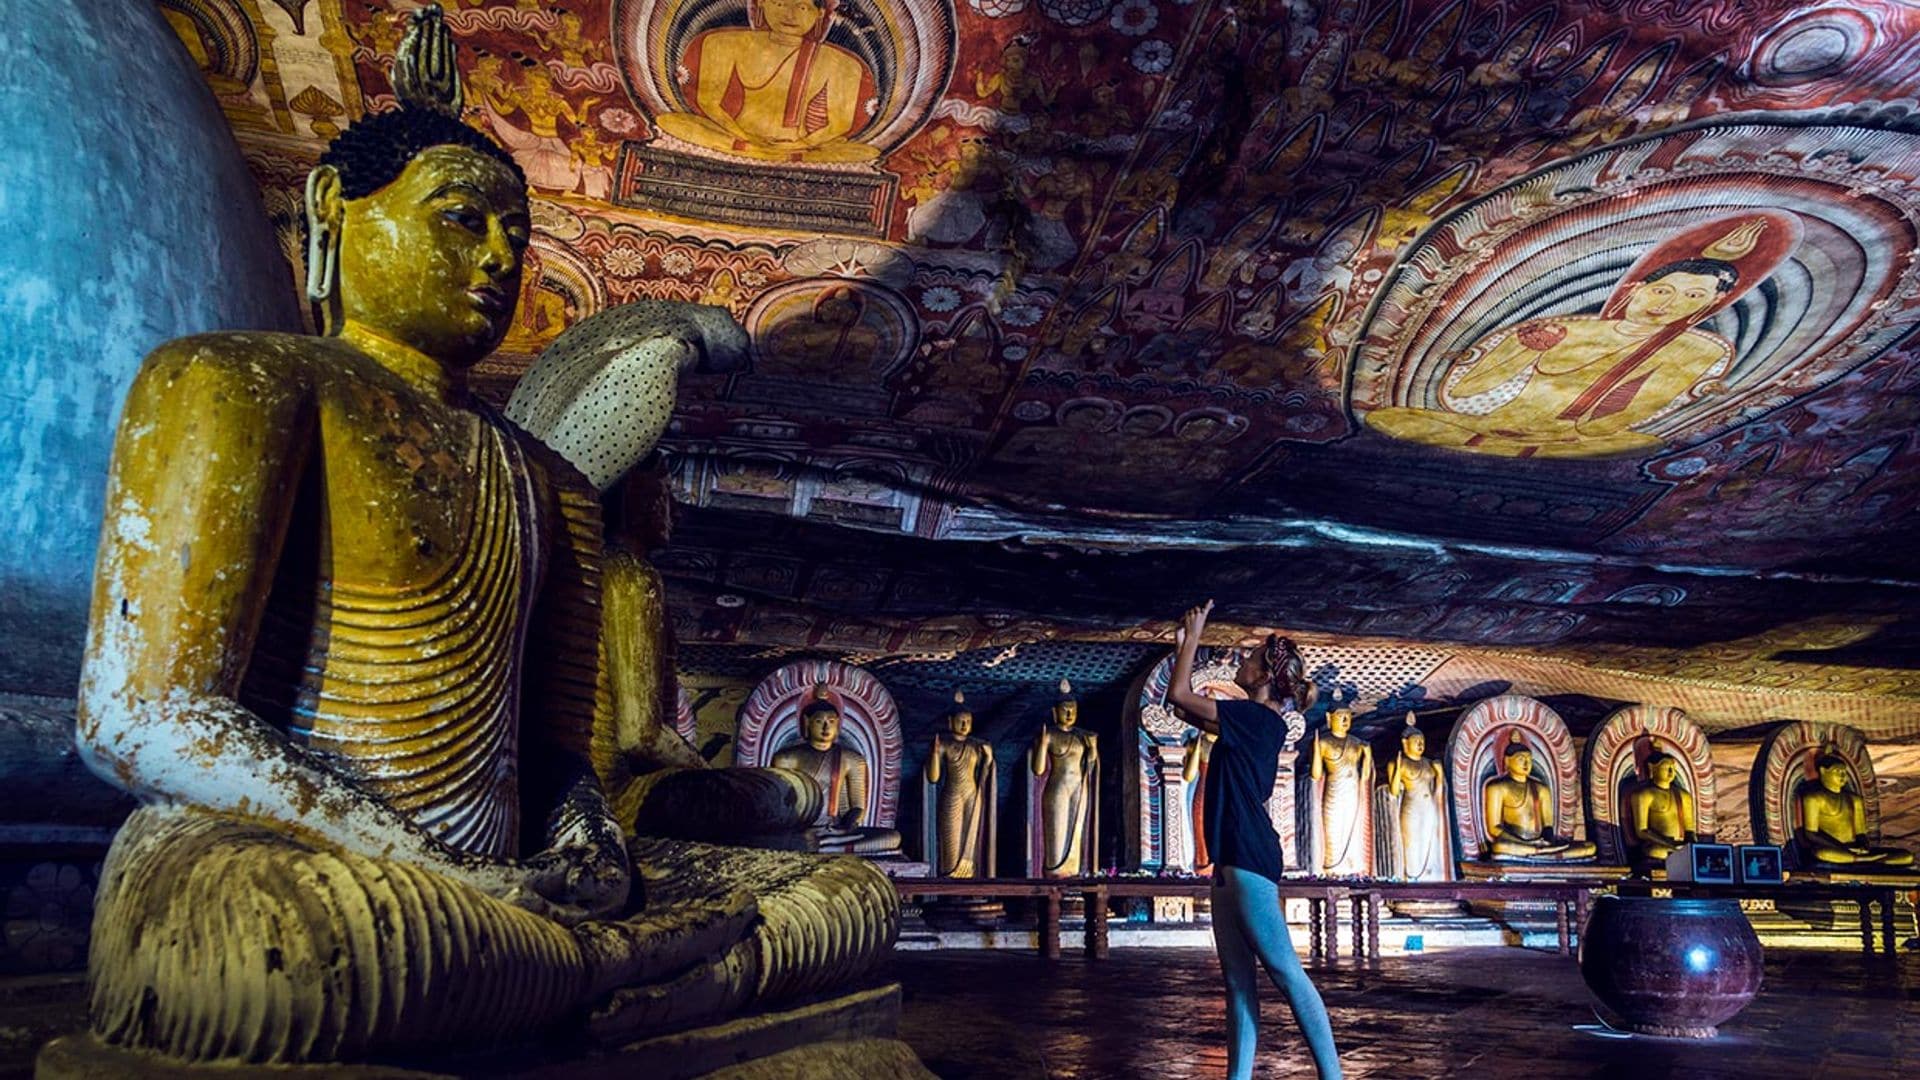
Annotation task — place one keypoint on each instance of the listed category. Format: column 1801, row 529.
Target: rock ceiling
column 1578, row 329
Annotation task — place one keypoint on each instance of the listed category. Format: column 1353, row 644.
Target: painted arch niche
column 1617, row 754
column 869, row 723
column 1649, row 294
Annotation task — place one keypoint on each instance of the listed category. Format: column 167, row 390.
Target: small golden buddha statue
column 1193, row 771
column 1833, row 820
column 1518, row 814
column 962, row 767
column 1341, row 768
column 1417, row 796
column 1660, row 813
column 345, row 647
column 842, row 774
column 776, row 90
column 1069, row 762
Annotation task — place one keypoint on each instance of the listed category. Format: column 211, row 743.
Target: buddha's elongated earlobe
column 323, row 241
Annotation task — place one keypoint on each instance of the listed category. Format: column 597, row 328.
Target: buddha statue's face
column 960, row 724
column 1520, row 765
column 1833, row 776
column 1664, row 772
column 1413, row 744
column 793, row 18
column 1339, row 721
column 1673, row 298
column 433, row 259
column 1066, row 714
column 823, row 727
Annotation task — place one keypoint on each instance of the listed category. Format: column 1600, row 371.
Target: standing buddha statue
column 1067, row 761
column 1342, row 773
column 961, row 767
column 1417, row 800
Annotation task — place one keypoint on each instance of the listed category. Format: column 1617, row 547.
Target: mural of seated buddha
column 775, row 91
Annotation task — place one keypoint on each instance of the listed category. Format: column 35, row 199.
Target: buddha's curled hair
column 372, row 152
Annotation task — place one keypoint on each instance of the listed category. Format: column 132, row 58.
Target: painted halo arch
column 869, row 723
column 683, row 718
column 1474, row 755
column 1612, row 757
column 1786, row 761
column 909, row 44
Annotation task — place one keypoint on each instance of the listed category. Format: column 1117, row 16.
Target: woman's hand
column 1192, row 625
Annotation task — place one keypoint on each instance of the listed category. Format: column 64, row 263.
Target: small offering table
column 1323, row 901
column 1570, row 900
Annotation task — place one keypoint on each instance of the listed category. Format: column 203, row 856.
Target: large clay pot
column 1670, row 967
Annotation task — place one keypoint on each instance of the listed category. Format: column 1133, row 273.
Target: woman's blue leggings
column 1249, row 924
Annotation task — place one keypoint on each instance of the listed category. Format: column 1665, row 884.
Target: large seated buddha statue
column 1814, row 793
column 345, row 647
column 1518, row 814
column 843, row 775
column 1649, row 786
column 1833, row 821
column 1660, row 814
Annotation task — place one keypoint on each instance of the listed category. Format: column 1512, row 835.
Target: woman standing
column 1247, row 920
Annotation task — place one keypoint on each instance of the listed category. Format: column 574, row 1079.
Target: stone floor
column 1492, row 1012
column 1156, row 1013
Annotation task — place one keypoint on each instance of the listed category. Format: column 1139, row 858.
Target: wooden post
column 1373, row 927
column 1886, row 920
column 1314, row 947
column 1096, row 935
column 1050, row 925
column 1582, row 905
column 1560, row 905
column 1333, row 926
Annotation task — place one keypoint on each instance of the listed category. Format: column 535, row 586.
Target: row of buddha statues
column 1507, row 798
column 837, row 725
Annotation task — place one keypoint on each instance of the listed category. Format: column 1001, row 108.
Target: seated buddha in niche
column 1517, row 814
column 362, row 739
column 1659, row 813
column 776, row 90
column 1833, row 820
column 843, row 776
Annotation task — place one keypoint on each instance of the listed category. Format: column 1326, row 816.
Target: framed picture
column 1759, row 864
column 1704, row 864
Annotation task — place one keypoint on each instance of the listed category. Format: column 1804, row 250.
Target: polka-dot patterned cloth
column 601, row 394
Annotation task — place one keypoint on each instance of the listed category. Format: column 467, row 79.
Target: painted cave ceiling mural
column 1577, row 327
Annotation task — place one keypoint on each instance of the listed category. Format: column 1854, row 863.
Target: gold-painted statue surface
column 345, row 646
column 843, row 774
column 1417, row 799
column 1518, row 814
column 1193, row 772
column 1833, row 820
column 1342, row 773
column 961, row 766
column 1068, row 761
column 1660, row 813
